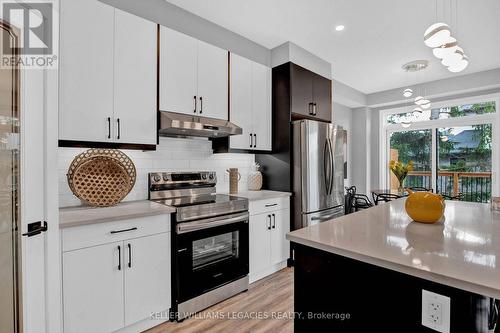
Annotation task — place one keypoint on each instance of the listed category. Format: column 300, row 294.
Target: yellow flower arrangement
column 400, row 170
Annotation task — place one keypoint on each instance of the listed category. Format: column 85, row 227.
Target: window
column 454, row 148
column 465, row 110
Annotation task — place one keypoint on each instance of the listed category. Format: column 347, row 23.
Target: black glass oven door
column 211, row 257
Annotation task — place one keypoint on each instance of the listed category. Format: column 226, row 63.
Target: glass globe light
column 454, row 58
column 407, row 92
column 445, row 50
column 459, row 66
column 406, row 124
column 436, row 35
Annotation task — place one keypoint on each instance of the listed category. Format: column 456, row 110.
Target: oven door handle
column 211, row 222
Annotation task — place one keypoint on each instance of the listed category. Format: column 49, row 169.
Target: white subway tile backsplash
column 172, row 154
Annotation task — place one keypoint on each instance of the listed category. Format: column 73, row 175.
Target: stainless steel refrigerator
column 318, row 172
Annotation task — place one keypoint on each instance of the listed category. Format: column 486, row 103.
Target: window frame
column 387, row 129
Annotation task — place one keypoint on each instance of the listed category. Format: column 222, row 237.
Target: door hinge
column 36, row 228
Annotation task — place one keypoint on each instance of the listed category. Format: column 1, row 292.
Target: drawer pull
column 271, row 205
column 124, row 230
column 217, row 275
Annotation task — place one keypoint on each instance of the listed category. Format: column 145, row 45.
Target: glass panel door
column 9, row 204
column 464, row 162
column 414, row 145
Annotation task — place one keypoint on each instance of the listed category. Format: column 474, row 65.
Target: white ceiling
column 379, row 37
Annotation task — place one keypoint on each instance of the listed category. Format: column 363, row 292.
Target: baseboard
column 266, row 272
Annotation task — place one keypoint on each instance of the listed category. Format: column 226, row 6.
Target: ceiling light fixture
column 339, row 27
column 407, row 92
column 406, row 124
column 445, row 47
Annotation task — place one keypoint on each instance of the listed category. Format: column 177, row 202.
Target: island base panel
column 338, row 294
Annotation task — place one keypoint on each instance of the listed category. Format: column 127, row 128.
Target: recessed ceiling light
column 339, row 27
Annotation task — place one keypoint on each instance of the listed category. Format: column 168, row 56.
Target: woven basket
column 101, row 177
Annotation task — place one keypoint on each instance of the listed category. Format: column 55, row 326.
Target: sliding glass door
column 415, row 146
column 464, row 162
column 454, row 149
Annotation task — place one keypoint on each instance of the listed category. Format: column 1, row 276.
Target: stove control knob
column 204, row 176
column 165, row 178
column 156, row 178
column 211, row 176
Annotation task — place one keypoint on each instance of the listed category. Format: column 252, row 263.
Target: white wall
column 342, row 115
column 361, row 149
column 171, row 155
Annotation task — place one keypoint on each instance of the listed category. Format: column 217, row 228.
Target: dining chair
column 384, row 197
column 420, row 189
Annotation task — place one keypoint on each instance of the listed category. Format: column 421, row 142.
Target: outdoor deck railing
column 472, row 186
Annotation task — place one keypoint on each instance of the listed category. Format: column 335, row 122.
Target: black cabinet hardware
column 118, row 123
column 201, row 105
column 123, row 230
column 310, row 106
column 109, row 127
column 255, row 141
column 36, row 228
column 274, row 221
column 119, row 258
column 314, row 109
column 129, row 255
column 272, row 205
column 251, row 140
column 269, row 225
column 195, row 104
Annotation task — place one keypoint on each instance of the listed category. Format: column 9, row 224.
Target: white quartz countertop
column 460, row 252
column 82, row 215
column 260, row 195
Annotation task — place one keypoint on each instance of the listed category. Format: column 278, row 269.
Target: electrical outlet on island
column 436, row 311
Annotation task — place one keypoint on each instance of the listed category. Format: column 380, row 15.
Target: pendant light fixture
column 445, row 47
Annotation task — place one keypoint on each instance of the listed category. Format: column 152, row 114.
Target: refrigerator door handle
column 326, row 159
column 332, row 166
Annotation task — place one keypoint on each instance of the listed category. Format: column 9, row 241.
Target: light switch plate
column 436, row 311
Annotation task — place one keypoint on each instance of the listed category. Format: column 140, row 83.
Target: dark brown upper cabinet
column 311, row 94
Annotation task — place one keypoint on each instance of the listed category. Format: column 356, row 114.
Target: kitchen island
column 367, row 270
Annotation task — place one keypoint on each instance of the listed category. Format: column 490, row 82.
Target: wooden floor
column 271, row 297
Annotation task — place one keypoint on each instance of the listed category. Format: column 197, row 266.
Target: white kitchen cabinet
column 86, row 70
column 241, row 101
column 178, row 72
column 93, row 289
column 116, row 274
column 261, row 106
column 212, row 81
column 134, row 79
column 147, row 276
column 250, row 104
column 107, row 90
column 260, row 243
column 269, row 248
column 280, row 246
column 193, row 76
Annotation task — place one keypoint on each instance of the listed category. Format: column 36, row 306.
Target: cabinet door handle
column 109, row 127
column 201, row 105
column 195, row 104
column 129, row 255
column 123, row 230
column 118, row 123
column 271, row 205
column 310, row 108
column 314, row 109
column 274, row 221
column 119, row 258
column 269, row 224
column 251, row 140
column 255, row 141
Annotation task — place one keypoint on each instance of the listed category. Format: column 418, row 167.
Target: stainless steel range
column 209, row 240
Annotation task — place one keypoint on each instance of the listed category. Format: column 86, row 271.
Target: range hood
column 181, row 125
